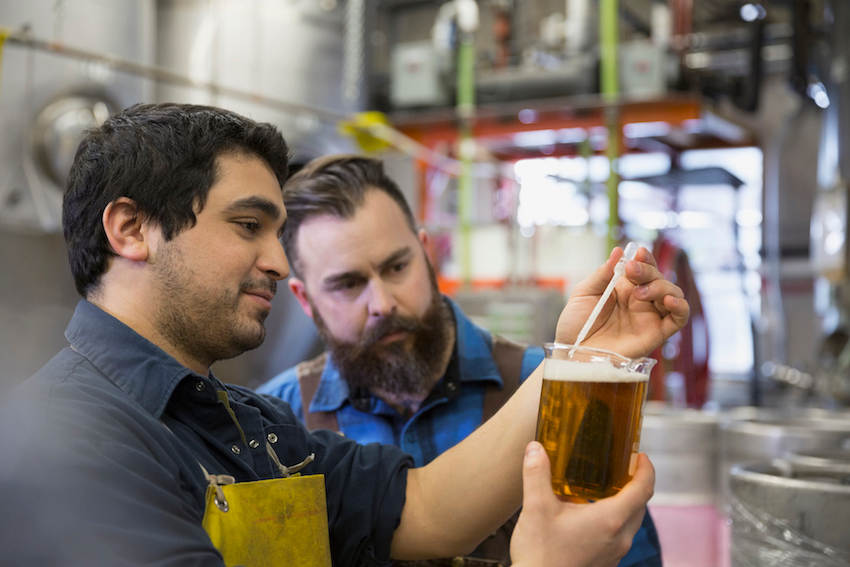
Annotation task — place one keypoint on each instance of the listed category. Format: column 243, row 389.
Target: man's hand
column 554, row 533
column 643, row 311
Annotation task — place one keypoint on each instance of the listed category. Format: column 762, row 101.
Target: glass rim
column 563, row 346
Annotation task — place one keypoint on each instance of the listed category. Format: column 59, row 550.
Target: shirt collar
column 332, row 391
column 137, row 366
column 475, row 363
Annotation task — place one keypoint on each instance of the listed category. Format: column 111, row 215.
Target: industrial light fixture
column 817, row 92
column 751, row 12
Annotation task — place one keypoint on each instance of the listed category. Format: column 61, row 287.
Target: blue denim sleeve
column 646, row 549
column 286, row 387
column 531, row 359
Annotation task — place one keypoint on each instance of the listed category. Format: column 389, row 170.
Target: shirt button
column 253, row 443
column 236, row 450
column 451, row 386
column 200, row 386
column 272, row 438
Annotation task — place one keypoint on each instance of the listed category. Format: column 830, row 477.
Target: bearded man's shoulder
column 310, row 368
column 286, row 385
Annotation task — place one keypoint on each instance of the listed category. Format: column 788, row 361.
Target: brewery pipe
column 384, row 132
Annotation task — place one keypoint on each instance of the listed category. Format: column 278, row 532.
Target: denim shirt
column 91, row 475
column 449, row 414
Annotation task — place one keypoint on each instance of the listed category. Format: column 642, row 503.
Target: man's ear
column 425, row 241
column 125, row 230
column 298, row 289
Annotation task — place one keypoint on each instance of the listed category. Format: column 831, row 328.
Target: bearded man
column 403, row 365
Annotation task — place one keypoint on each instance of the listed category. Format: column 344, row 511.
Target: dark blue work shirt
column 90, row 476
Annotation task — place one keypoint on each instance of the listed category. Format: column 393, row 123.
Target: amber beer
column 591, row 413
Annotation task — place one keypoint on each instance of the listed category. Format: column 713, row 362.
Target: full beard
column 393, row 368
column 204, row 323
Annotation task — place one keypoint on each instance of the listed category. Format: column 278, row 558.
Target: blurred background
column 530, row 138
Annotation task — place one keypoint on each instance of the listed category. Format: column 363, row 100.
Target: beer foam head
column 601, row 371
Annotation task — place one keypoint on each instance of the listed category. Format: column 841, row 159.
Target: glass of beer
column 591, row 413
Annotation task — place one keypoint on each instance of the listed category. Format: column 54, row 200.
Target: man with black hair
column 126, row 450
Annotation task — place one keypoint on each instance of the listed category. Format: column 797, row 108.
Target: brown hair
column 334, row 185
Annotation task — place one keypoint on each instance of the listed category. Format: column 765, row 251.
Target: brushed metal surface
column 789, row 518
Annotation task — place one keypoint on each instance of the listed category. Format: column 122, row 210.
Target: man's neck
column 138, row 318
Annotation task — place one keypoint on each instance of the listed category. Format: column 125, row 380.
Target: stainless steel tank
column 47, row 99
column 782, row 517
column 278, row 51
column 751, row 435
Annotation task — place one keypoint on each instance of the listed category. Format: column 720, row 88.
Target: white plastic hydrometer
column 628, row 254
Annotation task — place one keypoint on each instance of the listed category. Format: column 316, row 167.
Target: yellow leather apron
column 276, row 523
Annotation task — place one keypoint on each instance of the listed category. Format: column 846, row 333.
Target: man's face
column 373, row 295
column 216, row 279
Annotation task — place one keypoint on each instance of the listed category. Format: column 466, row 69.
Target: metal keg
column 786, row 517
column 750, row 435
column 683, row 446
column 813, row 461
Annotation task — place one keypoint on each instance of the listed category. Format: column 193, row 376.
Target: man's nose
column 382, row 301
column 273, row 262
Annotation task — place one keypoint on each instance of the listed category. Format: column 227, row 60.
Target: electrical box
column 415, row 77
column 643, row 69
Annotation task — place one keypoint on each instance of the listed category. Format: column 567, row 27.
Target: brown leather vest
column 493, row 551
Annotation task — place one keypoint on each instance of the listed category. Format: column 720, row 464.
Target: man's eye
column 250, row 226
column 347, row 285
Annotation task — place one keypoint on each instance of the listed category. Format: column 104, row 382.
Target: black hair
column 164, row 158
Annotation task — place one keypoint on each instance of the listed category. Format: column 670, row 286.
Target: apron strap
column 216, row 481
column 507, row 355
column 309, row 376
column 219, row 480
column 285, row 471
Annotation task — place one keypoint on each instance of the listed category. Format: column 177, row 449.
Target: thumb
column 536, row 478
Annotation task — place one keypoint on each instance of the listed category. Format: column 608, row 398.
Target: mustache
column 387, row 326
column 259, row 284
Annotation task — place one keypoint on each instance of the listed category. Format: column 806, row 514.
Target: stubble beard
column 202, row 322
column 394, row 368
